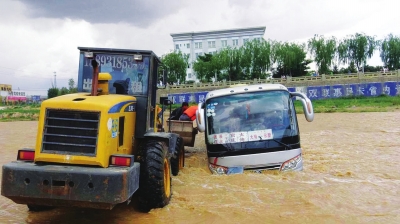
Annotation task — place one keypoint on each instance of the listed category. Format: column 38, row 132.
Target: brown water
column 351, row 175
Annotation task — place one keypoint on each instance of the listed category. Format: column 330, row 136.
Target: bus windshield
column 253, row 116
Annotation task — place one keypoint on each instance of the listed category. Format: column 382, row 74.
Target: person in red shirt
column 177, row 113
column 189, row 114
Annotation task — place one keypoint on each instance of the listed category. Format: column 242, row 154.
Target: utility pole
column 55, row 80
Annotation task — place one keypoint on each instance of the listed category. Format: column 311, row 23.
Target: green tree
column 349, row 69
column 247, row 62
column 390, row 52
column 256, row 58
column 223, row 57
column 204, row 67
column 290, row 59
column 323, row 50
column 176, row 64
column 229, row 58
column 357, row 49
column 71, row 86
column 335, row 69
column 52, row 92
column 368, row 68
column 63, row 91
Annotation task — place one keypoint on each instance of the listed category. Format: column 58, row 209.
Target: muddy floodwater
column 351, row 175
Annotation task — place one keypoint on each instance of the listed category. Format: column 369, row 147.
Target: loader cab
column 132, row 72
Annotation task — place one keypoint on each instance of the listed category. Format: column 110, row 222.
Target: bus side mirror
column 165, row 101
column 307, row 105
column 200, row 120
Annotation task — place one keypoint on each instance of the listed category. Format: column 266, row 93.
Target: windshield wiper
column 286, row 146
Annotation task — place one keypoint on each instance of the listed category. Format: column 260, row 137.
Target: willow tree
column 176, row 63
column 204, row 67
column 256, row 58
column 219, row 65
column 390, row 52
column 225, row 64
column 323, row 51
column 245, row 60
column 357, row 49
column 223, row 61
column 290, row 59
column 263, row 62
column 233, row 57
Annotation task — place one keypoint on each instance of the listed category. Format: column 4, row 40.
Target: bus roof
column 245, row 89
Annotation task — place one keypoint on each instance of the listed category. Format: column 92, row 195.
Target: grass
column 20, row 113
column 356, row 104
column 346, row 104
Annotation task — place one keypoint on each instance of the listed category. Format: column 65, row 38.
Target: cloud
column 135, row 12
column 40, row 37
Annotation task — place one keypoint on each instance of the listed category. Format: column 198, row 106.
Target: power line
column 34, row 77
column 34, row 89
column 23, row 75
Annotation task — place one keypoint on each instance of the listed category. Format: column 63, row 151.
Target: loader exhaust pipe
column 95, row 77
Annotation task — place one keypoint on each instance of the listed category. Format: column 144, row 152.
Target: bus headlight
column 215, row 169
column 291, row 164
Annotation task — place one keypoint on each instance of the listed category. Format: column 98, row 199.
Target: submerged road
column 351, row 175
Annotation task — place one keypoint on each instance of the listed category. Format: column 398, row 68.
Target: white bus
column 252, row 127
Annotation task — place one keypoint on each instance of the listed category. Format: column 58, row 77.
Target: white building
column 198, row 43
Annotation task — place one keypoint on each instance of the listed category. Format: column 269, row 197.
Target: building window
column 245, row 40
column 177, row 47
column 198, row 45
column 187, row 45
column 211, row 44
column 189, row 75
column 235, row 42
column 224, row 43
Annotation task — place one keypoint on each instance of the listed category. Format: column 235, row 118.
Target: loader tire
column 155, row 176
column 178, row 160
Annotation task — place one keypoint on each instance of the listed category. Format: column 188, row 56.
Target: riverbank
column 347, row 105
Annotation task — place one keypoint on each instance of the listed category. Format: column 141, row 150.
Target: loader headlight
column 291, row 164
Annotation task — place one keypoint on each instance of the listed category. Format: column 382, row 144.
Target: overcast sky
column 40, row 37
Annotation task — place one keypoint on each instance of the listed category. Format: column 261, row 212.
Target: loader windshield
column 250, row 117
column 123, row 69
